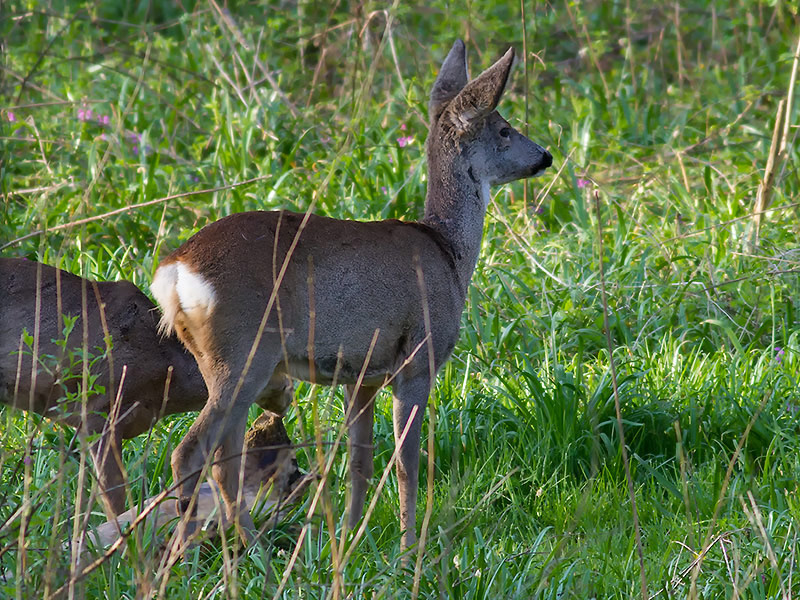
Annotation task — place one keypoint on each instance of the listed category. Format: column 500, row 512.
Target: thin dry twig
column 721, row 224
column 431, row 432
column 364, row 521
column 790, row 97
column 227, row 19
column 764, row 194
column 777, row 148
column 721, row 497
column 131, row 207
column 754, row 516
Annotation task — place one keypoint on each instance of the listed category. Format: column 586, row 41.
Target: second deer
column 46, row 376
column 329, row 300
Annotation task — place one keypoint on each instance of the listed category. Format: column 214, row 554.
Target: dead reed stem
column 764, row 194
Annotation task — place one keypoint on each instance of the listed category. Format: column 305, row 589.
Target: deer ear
column 451, row 80
column 481, row 95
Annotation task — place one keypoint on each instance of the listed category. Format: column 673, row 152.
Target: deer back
column 131, row 321
column 343, row 280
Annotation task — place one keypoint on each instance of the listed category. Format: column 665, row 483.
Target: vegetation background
column 116, row 116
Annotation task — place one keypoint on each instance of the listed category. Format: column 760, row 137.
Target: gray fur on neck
column 455, row 209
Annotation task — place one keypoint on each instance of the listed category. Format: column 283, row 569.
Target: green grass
column 667, row 115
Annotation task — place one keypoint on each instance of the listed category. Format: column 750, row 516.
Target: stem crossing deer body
column 330, row 300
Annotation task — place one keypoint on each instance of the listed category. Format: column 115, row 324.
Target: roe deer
column 330, row 300
column 54, row 388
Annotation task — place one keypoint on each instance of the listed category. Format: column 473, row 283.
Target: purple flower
column 403, row 127
column 88, row 113
column 383, row 189
column 11, row 117
column 584, row 183
column 778, row 354
column 404, row 140
column 81, row 115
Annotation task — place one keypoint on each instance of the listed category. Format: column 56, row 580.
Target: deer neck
column 455, row 207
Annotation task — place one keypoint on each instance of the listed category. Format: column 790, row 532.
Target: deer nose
column 547, row 159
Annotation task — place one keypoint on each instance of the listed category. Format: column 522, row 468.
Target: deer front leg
column 107, row 456
column 409, row 393
column 226, row 472
column 360, row 409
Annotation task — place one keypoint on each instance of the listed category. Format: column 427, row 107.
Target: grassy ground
column 664, row 113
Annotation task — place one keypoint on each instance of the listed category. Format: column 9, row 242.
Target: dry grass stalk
column 764, row 195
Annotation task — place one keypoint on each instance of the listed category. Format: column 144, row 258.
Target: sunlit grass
column 665, row 112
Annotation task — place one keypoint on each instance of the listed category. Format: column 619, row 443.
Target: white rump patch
column 163, row 290
column 177, row 288
column 195, row 292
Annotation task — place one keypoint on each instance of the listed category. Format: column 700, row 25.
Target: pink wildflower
column 584, row 183
column 404, row 141
column 11, row 117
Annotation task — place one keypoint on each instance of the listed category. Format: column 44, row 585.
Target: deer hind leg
column 221, row 426
column 409, row 392
column 360, row 410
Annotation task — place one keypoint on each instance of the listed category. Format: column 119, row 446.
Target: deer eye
column 505, row 132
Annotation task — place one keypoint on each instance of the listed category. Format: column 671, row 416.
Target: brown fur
column 132, row 320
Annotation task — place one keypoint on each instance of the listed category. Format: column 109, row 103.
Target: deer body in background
column 30, row 290
column 329, row 300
